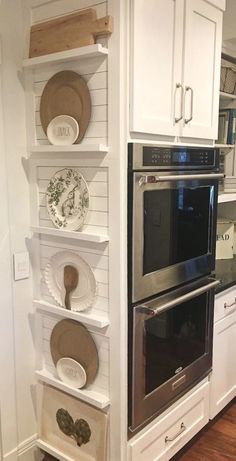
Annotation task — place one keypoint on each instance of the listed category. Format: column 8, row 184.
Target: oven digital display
column 181, row 157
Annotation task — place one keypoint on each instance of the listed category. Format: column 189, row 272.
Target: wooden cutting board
column 68, row 32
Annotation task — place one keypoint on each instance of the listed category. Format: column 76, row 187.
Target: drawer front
column 225, row 304
column 163, row 439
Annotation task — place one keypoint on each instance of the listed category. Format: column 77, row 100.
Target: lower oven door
column 171, row 348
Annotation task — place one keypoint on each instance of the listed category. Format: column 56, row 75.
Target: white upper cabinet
column 202, row 51
column 175, row 68
column 156, row 65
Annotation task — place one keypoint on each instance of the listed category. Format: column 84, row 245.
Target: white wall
column 16, row 335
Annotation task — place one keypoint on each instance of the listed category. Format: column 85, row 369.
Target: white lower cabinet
column 223, row 379
column 162, row 439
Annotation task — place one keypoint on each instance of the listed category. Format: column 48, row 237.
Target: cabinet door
column 156, row 56
column 223, row 379
column 202, row 53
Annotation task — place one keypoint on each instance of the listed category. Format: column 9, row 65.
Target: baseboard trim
column 26, row 451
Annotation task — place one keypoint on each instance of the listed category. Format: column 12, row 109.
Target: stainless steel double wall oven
column 172, row 210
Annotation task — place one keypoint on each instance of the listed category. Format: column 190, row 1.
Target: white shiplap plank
column 94, row 260
column 94, row 81
column 89, row 173
column 98, row 114
column 52, row 9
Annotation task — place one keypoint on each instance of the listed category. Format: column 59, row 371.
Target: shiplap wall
column 94, row 71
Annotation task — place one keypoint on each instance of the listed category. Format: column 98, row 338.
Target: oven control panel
column 177, row 157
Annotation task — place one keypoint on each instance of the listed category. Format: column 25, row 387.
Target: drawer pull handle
column 230, row 305
column 171, row 439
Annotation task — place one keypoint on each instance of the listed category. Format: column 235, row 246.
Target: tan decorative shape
column 72, row 339
column 66, row 93
column 68, row 32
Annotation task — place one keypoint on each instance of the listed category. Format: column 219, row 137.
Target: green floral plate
column 67, row 199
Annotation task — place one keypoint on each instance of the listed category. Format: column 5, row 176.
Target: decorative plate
column 67, row 199
column 83, row 296
column 66, row 93
column 63, row 130
column 71, row 372
column 72, row 339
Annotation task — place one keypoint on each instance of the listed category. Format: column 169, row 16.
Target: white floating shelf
column 52, row 451
column 96, row 399
column 80, row 148
column 94, row 320
column 225, row 146
column 230, row 197
column 227, row 95
column 96, row 238
column 90, row 51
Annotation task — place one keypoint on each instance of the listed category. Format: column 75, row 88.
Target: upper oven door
column 173, row 229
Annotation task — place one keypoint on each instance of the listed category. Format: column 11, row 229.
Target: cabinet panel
column 180, row 424
column 225, row 304
column 223, row 379
column 156, row 55
column 202, row 69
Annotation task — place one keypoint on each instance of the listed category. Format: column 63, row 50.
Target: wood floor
column 216, row 442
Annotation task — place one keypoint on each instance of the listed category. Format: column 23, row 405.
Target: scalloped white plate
column 71, row 372
column 84, row 294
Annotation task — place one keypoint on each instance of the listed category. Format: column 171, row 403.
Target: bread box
column 224, row 238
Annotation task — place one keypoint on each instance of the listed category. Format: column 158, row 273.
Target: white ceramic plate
column 71, row 372
column 83, row 296
column 67, row 199
column 63, row 130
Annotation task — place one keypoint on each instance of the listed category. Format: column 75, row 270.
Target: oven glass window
column 176, row 225
column 175, row 339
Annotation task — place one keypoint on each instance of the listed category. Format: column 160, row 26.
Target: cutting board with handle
column 68, row 32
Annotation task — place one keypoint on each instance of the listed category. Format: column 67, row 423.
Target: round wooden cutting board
column 66, row 93
column 72, row 339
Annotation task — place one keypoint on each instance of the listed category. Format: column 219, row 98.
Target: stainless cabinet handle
column 187, row 120
column 147, row 179
column 178, row 85
column 230, row 305
column 171, row 439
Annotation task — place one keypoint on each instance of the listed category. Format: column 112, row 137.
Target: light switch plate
column 21, row 265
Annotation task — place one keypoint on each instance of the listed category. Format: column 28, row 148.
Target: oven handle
column 144, row 309
column 147, row 179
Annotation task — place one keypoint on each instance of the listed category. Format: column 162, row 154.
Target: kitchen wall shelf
column 94, row 320
column 223, row 198
column 52, row 451
column 227, row 95
column 96, row 399
column 95, row 238
column 85, row 52
column 225, row 146
column 80, row 148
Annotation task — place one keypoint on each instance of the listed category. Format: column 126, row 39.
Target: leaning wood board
column 68, row 32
